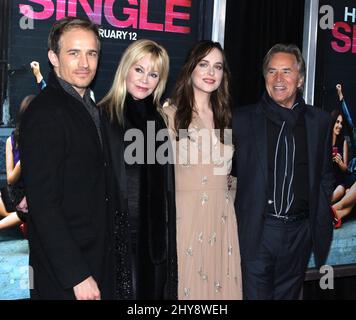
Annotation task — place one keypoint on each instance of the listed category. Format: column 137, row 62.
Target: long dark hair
column 183, row 94
column 334, row 115
column 23, row 106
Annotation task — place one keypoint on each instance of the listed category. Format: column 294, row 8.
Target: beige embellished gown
column 207, row 240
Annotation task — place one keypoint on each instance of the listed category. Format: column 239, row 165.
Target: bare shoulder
column 169, row 109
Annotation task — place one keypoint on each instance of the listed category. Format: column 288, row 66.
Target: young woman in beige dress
column 207, row 240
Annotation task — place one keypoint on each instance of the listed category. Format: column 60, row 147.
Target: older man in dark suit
column 66, row 170
column 284, row 174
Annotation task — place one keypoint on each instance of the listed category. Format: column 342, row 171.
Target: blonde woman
column 146, row 189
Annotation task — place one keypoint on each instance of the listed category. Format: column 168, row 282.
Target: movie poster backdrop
column 336, row 64
column 176, row 24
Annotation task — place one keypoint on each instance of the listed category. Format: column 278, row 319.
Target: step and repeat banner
column 176, row 24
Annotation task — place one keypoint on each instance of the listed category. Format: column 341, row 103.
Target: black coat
column 251, row 164
column 156, row 271
column 66, row 175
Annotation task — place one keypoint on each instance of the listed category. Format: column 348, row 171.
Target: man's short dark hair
column 285, row 48
column 66, row 24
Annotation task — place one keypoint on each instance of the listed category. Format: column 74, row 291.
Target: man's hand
column 87, row 290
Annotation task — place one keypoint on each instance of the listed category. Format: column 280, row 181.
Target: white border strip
column 218, row 28
column 310, row 35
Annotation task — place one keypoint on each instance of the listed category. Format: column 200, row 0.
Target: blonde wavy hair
column 114, row 101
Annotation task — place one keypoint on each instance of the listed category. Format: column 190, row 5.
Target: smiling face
column 142, row 78
column 338, row 125
column 283, row 79
column 77, row 59
column 208, row 73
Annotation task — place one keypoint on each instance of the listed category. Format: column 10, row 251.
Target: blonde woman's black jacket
column 156, row 269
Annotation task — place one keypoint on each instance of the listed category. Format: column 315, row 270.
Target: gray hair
column 285, row 48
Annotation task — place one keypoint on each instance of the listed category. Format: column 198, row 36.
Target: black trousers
column 278, row 270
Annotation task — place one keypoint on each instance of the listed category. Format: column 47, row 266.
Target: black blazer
column 65, row 172
column 250, row 134
column 157, row 262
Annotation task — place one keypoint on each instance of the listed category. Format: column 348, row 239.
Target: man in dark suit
column 66, row 171
column 284, row 176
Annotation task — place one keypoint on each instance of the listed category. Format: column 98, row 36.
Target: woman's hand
column 35, row 66
column 338, row 160
column 339, row 91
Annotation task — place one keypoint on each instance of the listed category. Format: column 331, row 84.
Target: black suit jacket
column 65, row 172
column 250, row 134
